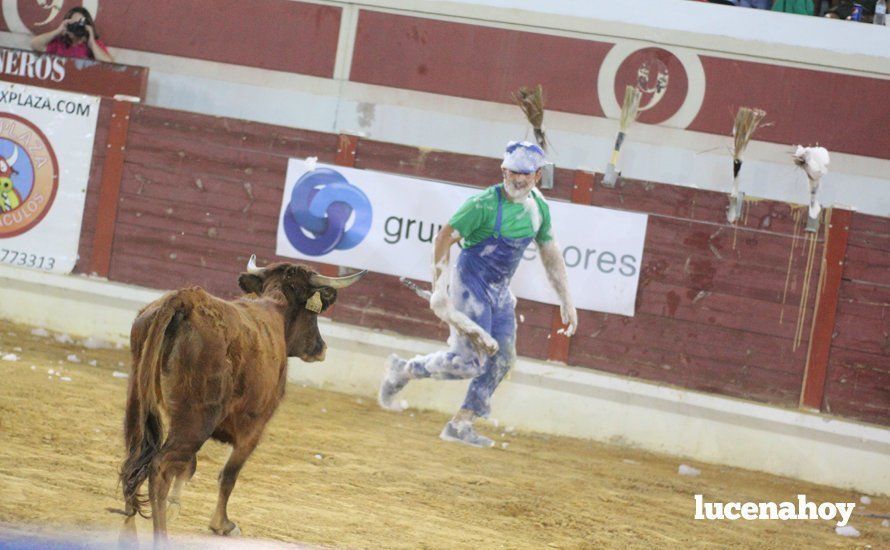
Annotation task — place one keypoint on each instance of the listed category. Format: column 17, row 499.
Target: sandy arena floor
column 335, row 471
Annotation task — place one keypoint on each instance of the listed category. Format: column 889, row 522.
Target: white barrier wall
column 537, row 396
column 658, row 153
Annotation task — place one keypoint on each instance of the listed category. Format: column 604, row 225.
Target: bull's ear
column 250, row 283
column 328, row 296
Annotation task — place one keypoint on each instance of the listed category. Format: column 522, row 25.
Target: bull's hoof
column 229, row 530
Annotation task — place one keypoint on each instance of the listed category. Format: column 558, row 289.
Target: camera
column 78, row 28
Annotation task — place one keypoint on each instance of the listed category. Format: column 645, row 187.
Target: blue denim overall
column 480, row 290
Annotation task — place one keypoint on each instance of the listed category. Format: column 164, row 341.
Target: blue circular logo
column 321, row 205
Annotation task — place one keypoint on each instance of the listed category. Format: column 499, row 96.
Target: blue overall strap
column 497, row 222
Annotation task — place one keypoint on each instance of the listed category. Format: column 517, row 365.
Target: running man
column 494, row 228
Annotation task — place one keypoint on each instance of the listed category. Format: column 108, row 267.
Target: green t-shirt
column 475, row 219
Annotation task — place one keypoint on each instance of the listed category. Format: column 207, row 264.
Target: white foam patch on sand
column 847, row 531
column 93, row 342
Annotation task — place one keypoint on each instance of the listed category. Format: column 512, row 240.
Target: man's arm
column 555, row 267
column 445, row 239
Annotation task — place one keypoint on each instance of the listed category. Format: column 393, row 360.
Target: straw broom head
column 531, row 101
column 746, row 122
column 630, row 107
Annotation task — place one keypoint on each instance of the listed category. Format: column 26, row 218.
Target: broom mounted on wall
column 531, row 101
column 629, row 109
column 746, row 122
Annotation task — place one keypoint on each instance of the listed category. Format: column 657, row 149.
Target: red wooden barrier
column 72, row 75
column 112, row 173
column 711, row 299
column 826, row 307
column 346, row 148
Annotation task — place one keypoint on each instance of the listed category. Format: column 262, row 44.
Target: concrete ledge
column 537, row 395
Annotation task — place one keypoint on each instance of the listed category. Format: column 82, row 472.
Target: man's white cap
column 523, row 157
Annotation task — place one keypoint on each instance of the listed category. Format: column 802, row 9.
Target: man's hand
column 555, row 266
column 569, row 317
column 482, row 342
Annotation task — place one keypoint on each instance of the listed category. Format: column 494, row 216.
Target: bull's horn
column 251, row 265
column 14, row 157
column 336, row 282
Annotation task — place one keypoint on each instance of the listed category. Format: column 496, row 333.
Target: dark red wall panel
column 486, row 63
column 91, row 206
column 281, row 35
column 803, row 106
column 858, row 377
column 200, row 194
column 858, row 386
column 720, row 309
column 476, row 62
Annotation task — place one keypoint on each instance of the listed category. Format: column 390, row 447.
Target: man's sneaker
column 394, row 379
column 463, row 432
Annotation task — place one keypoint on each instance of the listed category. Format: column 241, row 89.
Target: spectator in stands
column 844, row 10
column 757, row 4
column 75, row 37
column 802, row 7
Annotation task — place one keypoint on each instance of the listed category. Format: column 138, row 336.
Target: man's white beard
column 517, row 196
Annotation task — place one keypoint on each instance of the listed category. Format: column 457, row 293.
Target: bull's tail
column 143, row 428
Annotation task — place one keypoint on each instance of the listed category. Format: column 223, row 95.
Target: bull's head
column 307, row 294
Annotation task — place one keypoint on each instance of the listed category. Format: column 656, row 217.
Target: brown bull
column 208, row 368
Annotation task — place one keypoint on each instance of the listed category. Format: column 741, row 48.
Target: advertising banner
column 387, row 224
column 46, row 147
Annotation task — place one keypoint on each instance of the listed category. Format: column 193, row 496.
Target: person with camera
column 75, row 37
